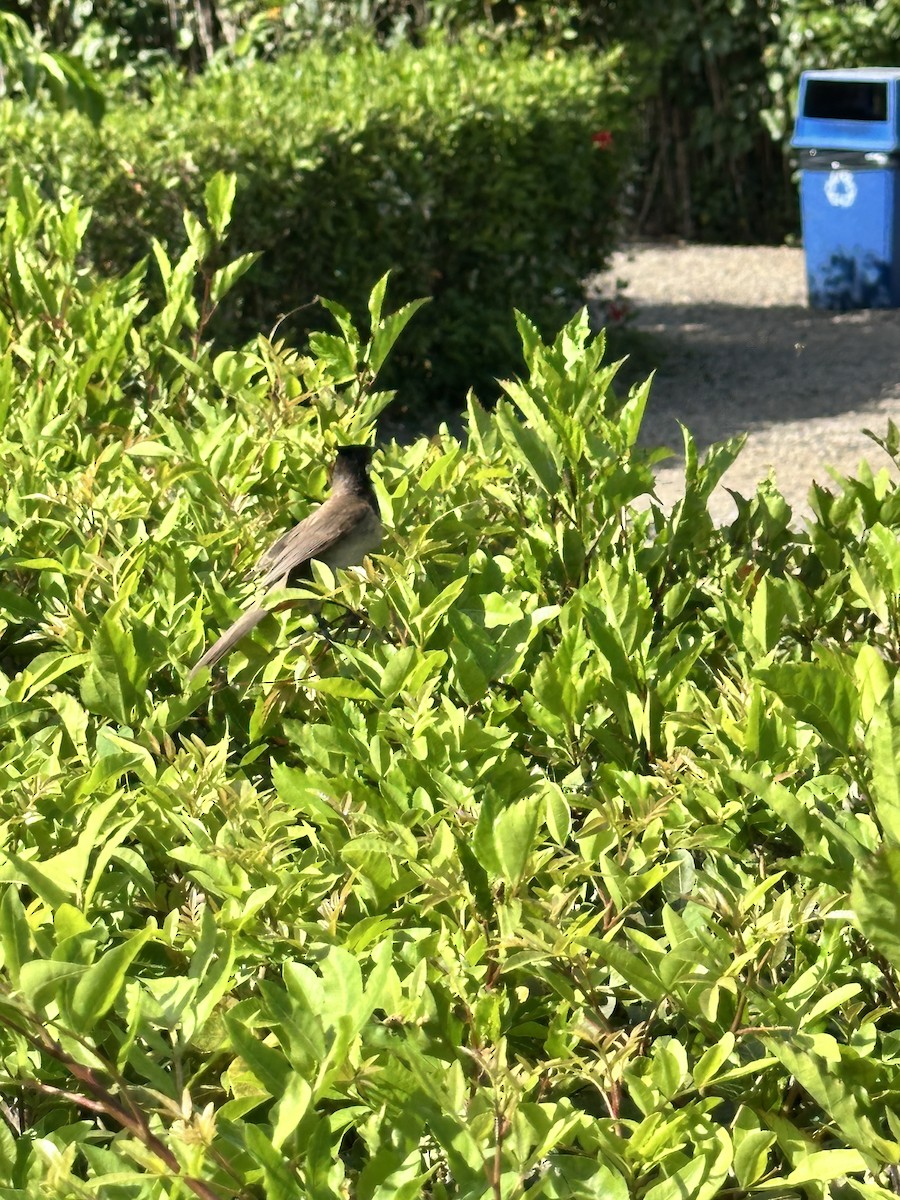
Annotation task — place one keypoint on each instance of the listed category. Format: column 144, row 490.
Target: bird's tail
column 229, row 639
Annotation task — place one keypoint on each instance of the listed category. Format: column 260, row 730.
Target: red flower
column 602, row 139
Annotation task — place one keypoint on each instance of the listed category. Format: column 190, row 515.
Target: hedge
column 561, row 862
column 471, row 172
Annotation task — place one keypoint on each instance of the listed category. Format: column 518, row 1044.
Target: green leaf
column 767, row 612
column 831, row 1086
column 559, row 814
column 349, row 332
column 819, row 833
column 561, row 685
column 821, row 696
column 70, row 83
column 198, row 236
column 701, row 479
column 342, row 988
column 281, row 1182
column 574, row 1177
column 669, row 1066
column 515, row 836
column 529, row 451
column 425, row 621
column 189, row 365
column 823, row 1166
column 338, row 685
column 47, row 668
column 15, row 934
column 632, row 415
column 376, row 298
column 14, row 868
column 637, row 974
column 290, row 1109
column 385, row 332
column 751, row 1147
column 219, row 195
column 269, row 1065
column 42, row 981
column 701, row 1176
column 876, row 902
column 299, row 792
column 872, row 679
column 408, row 669
column 882, row 741
column 226, row 277
column 113, row 683
column 103, row 982
column 336, row 354
column 713, row 1059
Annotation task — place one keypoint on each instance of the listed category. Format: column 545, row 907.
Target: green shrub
column 819, row 34
column 563, row 864
column 715, row 83
column 29, row 69
column 469, row 172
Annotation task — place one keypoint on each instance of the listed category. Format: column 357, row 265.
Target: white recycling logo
column 840, row 189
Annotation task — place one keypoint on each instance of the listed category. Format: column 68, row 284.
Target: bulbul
column 338, row 533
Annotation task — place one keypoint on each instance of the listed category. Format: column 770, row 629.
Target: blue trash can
column 848, row 134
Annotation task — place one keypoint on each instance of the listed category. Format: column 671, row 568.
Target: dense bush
column 469, row 172
column 716, row 79
column 815, row 34
column 29, row 69
column 562, row 864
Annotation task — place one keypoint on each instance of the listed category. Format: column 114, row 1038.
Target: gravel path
column 742, row 352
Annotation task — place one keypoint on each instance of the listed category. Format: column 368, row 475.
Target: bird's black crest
column 358, row 456
column 351, row 469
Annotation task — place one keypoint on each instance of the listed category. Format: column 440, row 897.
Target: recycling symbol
column 840, row 189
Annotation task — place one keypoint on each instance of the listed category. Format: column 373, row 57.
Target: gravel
column 741, row 352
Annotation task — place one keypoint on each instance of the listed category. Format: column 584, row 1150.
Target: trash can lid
column 849, row 108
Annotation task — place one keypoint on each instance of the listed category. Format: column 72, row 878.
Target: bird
column 339, row 533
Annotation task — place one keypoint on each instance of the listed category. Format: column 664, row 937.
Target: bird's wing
column 312, row 538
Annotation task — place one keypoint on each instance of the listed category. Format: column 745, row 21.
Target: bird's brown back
column 339, row 533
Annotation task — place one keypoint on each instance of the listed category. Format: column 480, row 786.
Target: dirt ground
column 741, row 351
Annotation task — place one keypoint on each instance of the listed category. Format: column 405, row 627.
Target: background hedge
column 715, row 80
column 469, row 171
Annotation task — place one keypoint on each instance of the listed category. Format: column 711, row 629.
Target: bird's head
column 351, row 466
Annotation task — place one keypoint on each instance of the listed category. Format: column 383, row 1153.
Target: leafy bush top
column 563, row 864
